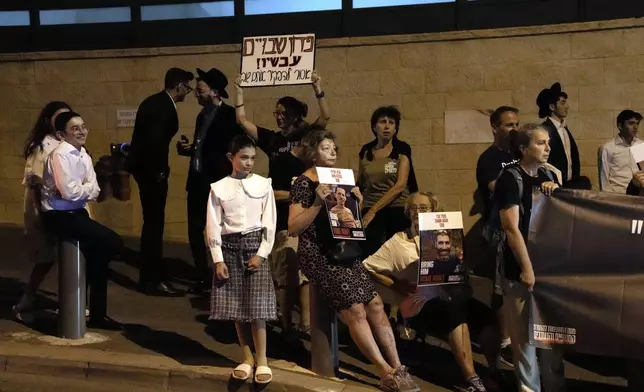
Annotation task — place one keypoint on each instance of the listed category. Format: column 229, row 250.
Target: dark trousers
column 551, row 367
column 198, row 192
column 384, row 225
column 153, row 193
column 98, row 244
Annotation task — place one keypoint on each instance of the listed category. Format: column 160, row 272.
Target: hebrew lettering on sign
column 277, row 60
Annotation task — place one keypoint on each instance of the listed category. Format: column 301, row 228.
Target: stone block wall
column 600, row 64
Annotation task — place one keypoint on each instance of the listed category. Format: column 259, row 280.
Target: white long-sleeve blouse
column 241, row 206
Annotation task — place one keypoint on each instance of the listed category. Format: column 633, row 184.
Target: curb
column 152, row 371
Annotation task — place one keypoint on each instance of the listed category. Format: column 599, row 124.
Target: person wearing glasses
column 216, row 127
column 449, row 311
column 156, row 124
column 69, row 182
column 285, row 165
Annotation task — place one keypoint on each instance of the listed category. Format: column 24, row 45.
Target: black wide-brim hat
column 548, row 96
column 215, row 79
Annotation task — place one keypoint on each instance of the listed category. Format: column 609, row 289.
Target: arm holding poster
column 287, row 119
column 325, row 113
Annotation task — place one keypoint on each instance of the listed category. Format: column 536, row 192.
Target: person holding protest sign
column 343, row 281
column 241, row 230
column 284, row 167
column 446, row 310
column 510, row 222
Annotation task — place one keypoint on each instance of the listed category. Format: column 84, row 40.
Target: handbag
column 344, row 252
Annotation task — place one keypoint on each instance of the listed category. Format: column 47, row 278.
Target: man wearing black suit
column 564, row 154
column 216, row 126
column 155, row 125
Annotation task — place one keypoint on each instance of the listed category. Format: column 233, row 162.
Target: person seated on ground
column 448, row 309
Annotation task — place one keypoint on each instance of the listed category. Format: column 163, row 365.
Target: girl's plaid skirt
column 245, row 296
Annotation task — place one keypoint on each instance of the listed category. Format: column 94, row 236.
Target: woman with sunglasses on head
column 282, row 148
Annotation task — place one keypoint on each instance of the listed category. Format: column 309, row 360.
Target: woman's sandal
column 263, row 375
column 244, row 368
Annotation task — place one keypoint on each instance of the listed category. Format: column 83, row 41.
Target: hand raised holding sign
column 316, row 82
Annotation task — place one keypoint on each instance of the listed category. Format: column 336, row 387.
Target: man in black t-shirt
column 515, row 206
column 503, row 120
column 282, row 148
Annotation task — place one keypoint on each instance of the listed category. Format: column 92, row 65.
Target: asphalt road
column 21, row 383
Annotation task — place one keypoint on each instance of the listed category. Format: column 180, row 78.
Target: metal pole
column 71, row 291
column 324, row 336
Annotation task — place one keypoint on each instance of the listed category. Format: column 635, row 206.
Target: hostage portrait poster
column 441, row 249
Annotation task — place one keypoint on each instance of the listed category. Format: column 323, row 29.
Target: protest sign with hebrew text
column 277, row 60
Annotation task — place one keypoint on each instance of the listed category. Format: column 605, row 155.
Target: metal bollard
column 71, row 291
column 325, row 360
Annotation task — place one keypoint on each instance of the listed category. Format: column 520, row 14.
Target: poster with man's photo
column 342, row 203
column 441, row 249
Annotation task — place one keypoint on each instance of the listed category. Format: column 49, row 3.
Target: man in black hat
column 155, row 125
column 564, row 154
column 216, row 127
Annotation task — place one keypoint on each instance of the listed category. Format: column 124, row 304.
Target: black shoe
column 161, row 289
column 104, row 323
column 199, row 288
column 506, row 356
column 496, row 382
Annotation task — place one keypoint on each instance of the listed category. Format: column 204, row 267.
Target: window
column 86, row 15
column 14, row 18
column 391, row 3
column 261, row 7
column 188, row 11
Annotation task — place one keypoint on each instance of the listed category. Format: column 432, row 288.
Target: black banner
column 587, row 251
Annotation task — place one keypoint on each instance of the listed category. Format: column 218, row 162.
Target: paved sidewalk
column 173, row 334
column 140, row 370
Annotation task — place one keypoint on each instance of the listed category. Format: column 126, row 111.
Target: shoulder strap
column 519, row 179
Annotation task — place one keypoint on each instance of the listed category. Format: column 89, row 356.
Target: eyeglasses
column 279, row 114
column 188, row 88
column 420, row 208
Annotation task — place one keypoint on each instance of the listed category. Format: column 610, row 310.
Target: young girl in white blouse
column 240, row 227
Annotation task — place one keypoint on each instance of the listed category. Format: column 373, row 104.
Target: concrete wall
column 601, row 66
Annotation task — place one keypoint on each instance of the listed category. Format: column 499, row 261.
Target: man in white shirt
column 616, row 164
column 447, row 310
column 69, row 183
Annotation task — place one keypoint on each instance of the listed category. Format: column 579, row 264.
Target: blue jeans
column 516, row 311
